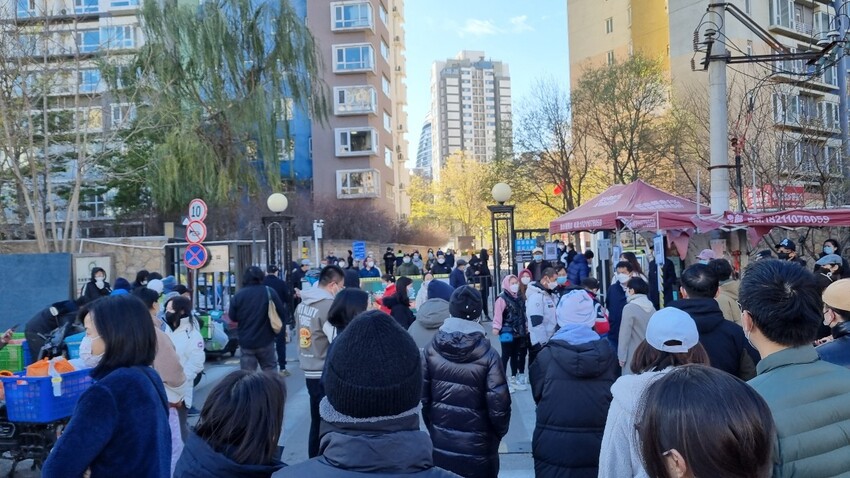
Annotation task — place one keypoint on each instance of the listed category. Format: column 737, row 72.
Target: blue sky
column 530, row 35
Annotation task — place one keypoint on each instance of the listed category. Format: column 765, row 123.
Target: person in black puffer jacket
column 571, row 382
column 466, row 404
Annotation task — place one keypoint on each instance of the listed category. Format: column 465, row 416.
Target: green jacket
column 809, row 400
column 408, row 270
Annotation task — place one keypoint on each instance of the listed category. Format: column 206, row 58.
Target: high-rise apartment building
column 801, row 103
column 470, row 107
column 424, row 153
column 358, row 154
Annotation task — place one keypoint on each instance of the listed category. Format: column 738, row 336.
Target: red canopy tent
column 637, row 206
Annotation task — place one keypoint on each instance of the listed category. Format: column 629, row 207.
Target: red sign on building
column 773, row 196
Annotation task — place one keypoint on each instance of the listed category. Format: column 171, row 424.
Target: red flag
column 558, row 190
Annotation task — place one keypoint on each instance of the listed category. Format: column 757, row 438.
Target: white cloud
column 476, row 27
column 520, row 24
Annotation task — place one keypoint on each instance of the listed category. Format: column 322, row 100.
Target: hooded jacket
column 389, row 447
column 429, row 318
column 620, row 454
column 540, row 309
column 578, row 269
column 250, row 307
column 311, row 318
column 724, row 341
column 571, row 383
column 199, row 460
column 727, row 299
column 189, row 346
column 466, row 404
column 91, row 293
column 636, row 316
column 837, row 351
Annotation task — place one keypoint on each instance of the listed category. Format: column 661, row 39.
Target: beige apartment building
column 359, row 153
column 800, row 103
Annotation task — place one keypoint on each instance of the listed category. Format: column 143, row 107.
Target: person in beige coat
column 636, row 316
column 727, row 296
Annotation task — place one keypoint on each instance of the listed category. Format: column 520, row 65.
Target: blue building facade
column 297, row 164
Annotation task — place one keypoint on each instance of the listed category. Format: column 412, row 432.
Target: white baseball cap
column 156, row 285
column 672, row 330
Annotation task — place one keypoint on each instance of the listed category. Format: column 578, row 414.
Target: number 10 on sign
column 197, row 210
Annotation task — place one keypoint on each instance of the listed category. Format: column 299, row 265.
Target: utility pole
column 718, row 114
column 842, row 99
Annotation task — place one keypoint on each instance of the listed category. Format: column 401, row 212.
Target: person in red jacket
column 602, row 326
column 389, row 290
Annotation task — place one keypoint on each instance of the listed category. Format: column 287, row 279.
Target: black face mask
column 783, row 256
column 171, row 318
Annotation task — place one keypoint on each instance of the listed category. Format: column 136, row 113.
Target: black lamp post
column 502, row 223
column 279, row 233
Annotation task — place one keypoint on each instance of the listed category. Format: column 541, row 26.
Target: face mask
column 562, row 280
column 171, row 317
column 703, row 261
column 441, row 260
column 406, row 260
column 828, row 249
column 100, row 282
column 783, row 256
column 538, row 257
column 90, row 360
column 525, row 280
column 370, row 264
column 623, row 278
column 514, row 288
column 144, row 282
column 343, row 264
column 430, row 255
column 551, row 285
column 416, row 256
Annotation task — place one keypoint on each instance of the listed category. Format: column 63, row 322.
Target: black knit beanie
column 466, row 303
column 374, row 368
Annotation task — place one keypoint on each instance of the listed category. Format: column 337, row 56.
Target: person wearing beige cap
column 836, row 316
column 706, row 255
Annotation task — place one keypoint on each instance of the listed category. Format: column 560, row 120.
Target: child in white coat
column 184, row 331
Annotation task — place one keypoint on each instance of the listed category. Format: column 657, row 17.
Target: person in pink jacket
column 510, row 326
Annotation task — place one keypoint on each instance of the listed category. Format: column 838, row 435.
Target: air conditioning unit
column 63, row 12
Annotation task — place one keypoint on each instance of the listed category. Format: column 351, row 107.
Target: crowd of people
column 720, row 376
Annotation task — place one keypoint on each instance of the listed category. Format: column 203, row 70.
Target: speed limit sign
column 197, row 210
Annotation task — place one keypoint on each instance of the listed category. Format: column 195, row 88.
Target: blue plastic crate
column 31, row 400
column 73, row 343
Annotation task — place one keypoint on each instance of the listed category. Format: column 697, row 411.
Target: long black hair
column 346, row 305
column 124, row 324
column 718, row 423
column 401, row 290
column 182, row 307
column 242, row 417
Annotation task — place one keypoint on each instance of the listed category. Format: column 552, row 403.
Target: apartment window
column 89, row 80
column 93, row 206
column 749, row 48
column 382, row 12
column 609, row 25
column 357, row 183
column 385, row 86
column 611, row 57
column 286, row 109
column 121, row 114
column 355, row 100
column 388, row 157
column 285, row 149
column 90, row 119
column 88, row 41
column 85, row 6
column 26, row 8
column 124, row 3
column 388, row 122
column 786, row 108
column 351, row 15
column 353, row 58
column 123, row 36
column 385, row 50
column 356, row 141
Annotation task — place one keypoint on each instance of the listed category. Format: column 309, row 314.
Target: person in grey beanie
column 370, row 412
column 466, row 404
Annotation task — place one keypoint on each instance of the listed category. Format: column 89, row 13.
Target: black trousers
column 514, row 352
column 317, row 393
column 280, row 346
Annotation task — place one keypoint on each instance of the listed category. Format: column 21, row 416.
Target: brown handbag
column 274, row 317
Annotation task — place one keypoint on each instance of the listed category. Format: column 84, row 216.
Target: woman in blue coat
column 120, row 424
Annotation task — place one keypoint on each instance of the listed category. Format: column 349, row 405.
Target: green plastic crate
column 206, row 329
column 12, row 357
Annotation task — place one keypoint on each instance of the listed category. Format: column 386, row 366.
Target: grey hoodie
column 311, row 317
column 429, row 318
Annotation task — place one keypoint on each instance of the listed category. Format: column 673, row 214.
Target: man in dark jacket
column 389, row 261
column 579, row 268
column 458, row 275
column 274, row 282
column 537, row 264
column 466, row 404
column 568, row 435
column 250, row 308
column 807, row 396
column 615, row 300
column 836, row 302
column 370, row 416
column 786, row 250
column 440, row 267
column 724, row 341
column 44, row 322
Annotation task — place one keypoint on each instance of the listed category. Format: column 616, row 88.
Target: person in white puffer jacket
column 185, row 333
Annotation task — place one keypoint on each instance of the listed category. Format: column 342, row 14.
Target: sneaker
column 284, row 373
column 193, row 412
column 522, row 379
column 521, row 386
column 512, row 380
column 511, row 388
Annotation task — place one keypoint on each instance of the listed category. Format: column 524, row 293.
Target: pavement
column 514, row 452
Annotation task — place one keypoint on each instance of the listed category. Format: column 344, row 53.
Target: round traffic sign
column 196, row 232
column 197, row 210
column 195, row 256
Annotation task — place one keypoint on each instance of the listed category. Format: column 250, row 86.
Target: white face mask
column 343, row 264
column 90, row 360
column 144, row 282
column 552, row 285
column 514, row 288
column 100, row 282
column 406, row 260
column 370, row 264
column 441, row 260
column 623, row 278
column 525, row 280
